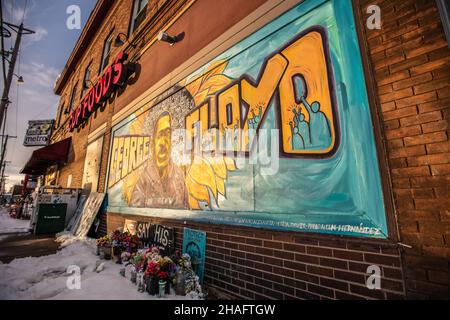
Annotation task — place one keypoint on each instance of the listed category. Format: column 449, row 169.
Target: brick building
column 380, row 195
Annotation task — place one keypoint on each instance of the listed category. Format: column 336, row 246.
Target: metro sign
column 113, row 78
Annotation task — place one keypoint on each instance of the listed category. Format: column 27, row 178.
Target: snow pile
column 46, row 277
column 10, row 225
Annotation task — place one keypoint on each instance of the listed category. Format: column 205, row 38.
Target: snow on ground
column 10, row 225
column 46, row 277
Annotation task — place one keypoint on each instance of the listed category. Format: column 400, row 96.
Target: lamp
column 118, row 42
column 19, row 79
column 164, row 36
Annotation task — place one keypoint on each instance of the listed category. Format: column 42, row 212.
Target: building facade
column 308, row 145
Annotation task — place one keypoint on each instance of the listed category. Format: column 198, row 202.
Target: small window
column 61, row 111
column 106, row 52
column 72, row 98
column 87, row 77
column 139, row 12
column 444, row 10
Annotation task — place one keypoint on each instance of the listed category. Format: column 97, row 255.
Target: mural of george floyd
column 305, row 145
column 287, row 82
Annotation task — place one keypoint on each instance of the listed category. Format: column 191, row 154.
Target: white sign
column 87, row 217
column 92, row 160
column 38, row 133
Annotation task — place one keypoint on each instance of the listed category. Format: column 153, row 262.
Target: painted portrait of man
column 161, row 184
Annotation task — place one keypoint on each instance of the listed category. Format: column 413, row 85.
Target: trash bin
column 51, row 218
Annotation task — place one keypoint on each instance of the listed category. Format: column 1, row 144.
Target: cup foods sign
column 38, row 133
column 113, row 77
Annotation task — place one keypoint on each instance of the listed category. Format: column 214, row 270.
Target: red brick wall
column 253, row 263
column 410, row 58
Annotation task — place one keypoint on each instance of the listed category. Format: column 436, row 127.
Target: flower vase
column 152, row 285
column 116, row 252
column 140, row 281
column 181, row 284
column 162, row 288
column 167, row 288
column 107, row 253
column 101, row 252
column 133, row 275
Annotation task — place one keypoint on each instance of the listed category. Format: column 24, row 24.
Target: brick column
column 410, row 58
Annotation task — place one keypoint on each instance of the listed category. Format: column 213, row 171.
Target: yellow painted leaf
column 231, row 165
column 220, row 185
column 196, row 190
column 219, row 166
column 194, row 86
column 202, row 172
column 216, row 83
column 201, row 96
column 193, row 203
column 216, row 67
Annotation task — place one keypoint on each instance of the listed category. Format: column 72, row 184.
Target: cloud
column 37, row 101
column 16, row 12
column 39, row 34
column 39, row 75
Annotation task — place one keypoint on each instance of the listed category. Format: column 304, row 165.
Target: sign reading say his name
column 156, row 235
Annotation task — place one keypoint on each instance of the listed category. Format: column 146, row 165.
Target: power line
column 12, row 11
column 24, row 11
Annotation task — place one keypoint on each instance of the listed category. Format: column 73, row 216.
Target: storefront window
column 139, row 11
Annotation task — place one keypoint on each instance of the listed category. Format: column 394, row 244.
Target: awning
column 45, row 157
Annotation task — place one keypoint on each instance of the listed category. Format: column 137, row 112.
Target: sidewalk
column 17, row 242
column 26, row 246
column 10, row 226
column 46, row 277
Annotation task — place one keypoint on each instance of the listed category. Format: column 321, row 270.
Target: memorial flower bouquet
column 104, row 247
column 103, row 241
column 116, row 245
column 154, row 274
column 115, row 238
column 166, row 264
column 129, row 242
column 191, row 283
column 185, row 262
column 153, row 254
column 138, row 261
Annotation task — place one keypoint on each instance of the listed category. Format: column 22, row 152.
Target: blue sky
column 42, row 57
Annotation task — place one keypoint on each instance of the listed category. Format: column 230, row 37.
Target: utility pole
column 3, row 155
column 3, row 178
column 5, row 100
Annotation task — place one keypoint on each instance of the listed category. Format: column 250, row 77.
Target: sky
column 42, row 58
